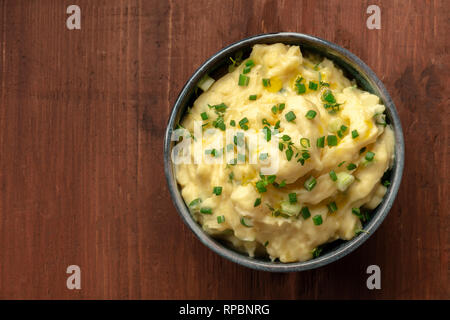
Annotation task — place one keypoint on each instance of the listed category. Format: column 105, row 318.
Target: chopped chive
column 333, row 175
column 267, row 133
column 355, row 134
column 252, row 97
column 261, row 186
column 386, row 183
column 289, row 154
column 206, row 210
column 344, row 180
column 313, row 85
column 243, row 80
column 316, row 252
column 301, row 88
column 282, row 184
column 343, row 128
column 290, row 116
column 205, row 82
column 220, row 219
column 219, row 107
column 266, row 82
column 363, row 149
column 204, row 116
column 292, row 197
column 306, row 155
column 195, row 202
column 310, row 114
column 310, row 183
column 281, row 106
column 246, row 222
column 340, row 164
column 249, row 63
column 266, row 243
column 231, row 176
column 328, row 97
column 274, row 109
column 332, row 207
column 359, row 231
column 257, row 202
column 351, row 166
column 305, row 142
column 217, row 190
column 369, row 156
column 305, row 213
column 277, row 125
column 239, row 139
column 357, row 212
column 321, row 142
column 332, row 140
column 233, row 123
column 246, row 70
column 271, row 178
column 281, row 146
column 317, row 220
column 219, row 123
column 243, row 123
column 285, row 137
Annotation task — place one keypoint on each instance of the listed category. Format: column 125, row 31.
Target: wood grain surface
column 82, row 120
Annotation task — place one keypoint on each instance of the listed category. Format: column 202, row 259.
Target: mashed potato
column 333, row 147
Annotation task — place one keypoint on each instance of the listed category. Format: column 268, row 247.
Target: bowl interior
column 353, row 68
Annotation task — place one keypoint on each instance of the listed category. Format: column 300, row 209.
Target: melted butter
column 369, row 124
column 275, row 85
column 320, row 129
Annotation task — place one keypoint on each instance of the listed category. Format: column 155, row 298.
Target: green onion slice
column 206, row 210
column 290, row 116
column 217, row 191
column 317, row 220
column 310, row 114
column 293, row 197
column 243, row 80
column 310, row 183
column 305, row 213
column 246, row 222
column 333, row 175
column 304, row 142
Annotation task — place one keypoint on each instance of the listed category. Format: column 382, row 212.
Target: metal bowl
column 354, row 68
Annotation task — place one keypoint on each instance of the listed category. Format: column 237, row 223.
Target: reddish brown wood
column 82, row 118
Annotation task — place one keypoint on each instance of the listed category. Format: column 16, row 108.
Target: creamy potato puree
column 321, row 190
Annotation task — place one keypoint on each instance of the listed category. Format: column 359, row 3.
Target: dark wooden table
column 82, row 120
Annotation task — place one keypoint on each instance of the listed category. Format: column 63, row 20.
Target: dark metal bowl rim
column 346, row 247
